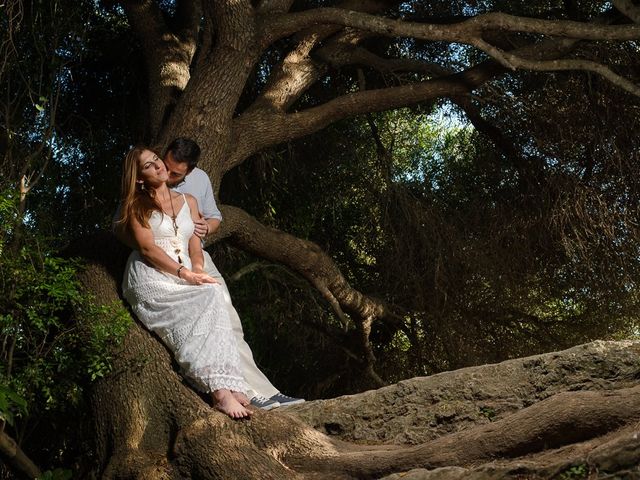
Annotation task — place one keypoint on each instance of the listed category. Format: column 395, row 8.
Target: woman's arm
column 159, row 258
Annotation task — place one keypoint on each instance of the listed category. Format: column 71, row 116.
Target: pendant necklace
column 175, row 242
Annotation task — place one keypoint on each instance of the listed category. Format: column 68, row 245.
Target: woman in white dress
column 167, row 287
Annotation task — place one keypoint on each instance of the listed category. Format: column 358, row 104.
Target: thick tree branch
column 298, row 71
column 293, row 75
column 279, row 26
column 168, row 54
column 512, row 61
column 345, row 51
column 270, row 128
column 302, row 256
column 471, row 32
column 12, row 453
column 362, row 56
column 340, row 55
column 565, row 418
column 273, row 128
column 309, row 260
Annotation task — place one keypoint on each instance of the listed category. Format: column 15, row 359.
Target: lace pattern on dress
column 192, row 320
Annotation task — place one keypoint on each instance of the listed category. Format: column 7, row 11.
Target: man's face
column 177, row 170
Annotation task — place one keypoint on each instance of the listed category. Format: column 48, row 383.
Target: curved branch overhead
column 512, row 61
column 277, row 127
column 269, row 128
column 471, row 32
column 465, row 31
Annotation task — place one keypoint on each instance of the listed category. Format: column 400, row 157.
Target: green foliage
column 445, row 229
column 46, row 357
column 575, row 472
column 67, row 66
column 10, row 404
column 488, row 412
column 110, row 324
column 57, row 474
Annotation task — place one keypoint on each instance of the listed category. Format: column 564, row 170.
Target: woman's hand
column 195, row 278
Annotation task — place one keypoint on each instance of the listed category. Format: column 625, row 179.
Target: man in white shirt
column 181, row 159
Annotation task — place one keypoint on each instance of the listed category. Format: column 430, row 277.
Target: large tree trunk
column 535, row 415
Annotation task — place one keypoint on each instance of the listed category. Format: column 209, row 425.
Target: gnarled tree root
column 274, row 445
column 563, row 419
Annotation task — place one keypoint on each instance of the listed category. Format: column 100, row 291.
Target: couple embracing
column 175, row 290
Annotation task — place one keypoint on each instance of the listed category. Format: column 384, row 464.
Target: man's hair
column 185, row 150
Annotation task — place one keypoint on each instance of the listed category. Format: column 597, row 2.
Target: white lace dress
column 192, row 320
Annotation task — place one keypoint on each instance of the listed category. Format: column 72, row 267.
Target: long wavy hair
column 136, row 201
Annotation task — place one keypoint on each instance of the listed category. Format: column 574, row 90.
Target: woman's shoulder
column 190, row 199
column 187, row 196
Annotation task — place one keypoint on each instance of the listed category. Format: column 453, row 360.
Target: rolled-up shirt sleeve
column 209, row 207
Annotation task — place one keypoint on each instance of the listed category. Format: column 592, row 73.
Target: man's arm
column 205, row 226
column 210, row 213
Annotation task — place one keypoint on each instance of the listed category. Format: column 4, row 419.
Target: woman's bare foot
column 224, row 401
column 241, row 398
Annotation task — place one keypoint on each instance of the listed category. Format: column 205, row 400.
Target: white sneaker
column 264, row 403
column 285, row 400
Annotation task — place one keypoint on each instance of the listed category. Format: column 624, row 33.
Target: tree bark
column 208, row 104
column 169, row 53
column 13, row 454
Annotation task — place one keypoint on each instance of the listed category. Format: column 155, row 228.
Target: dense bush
column 46, row 357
